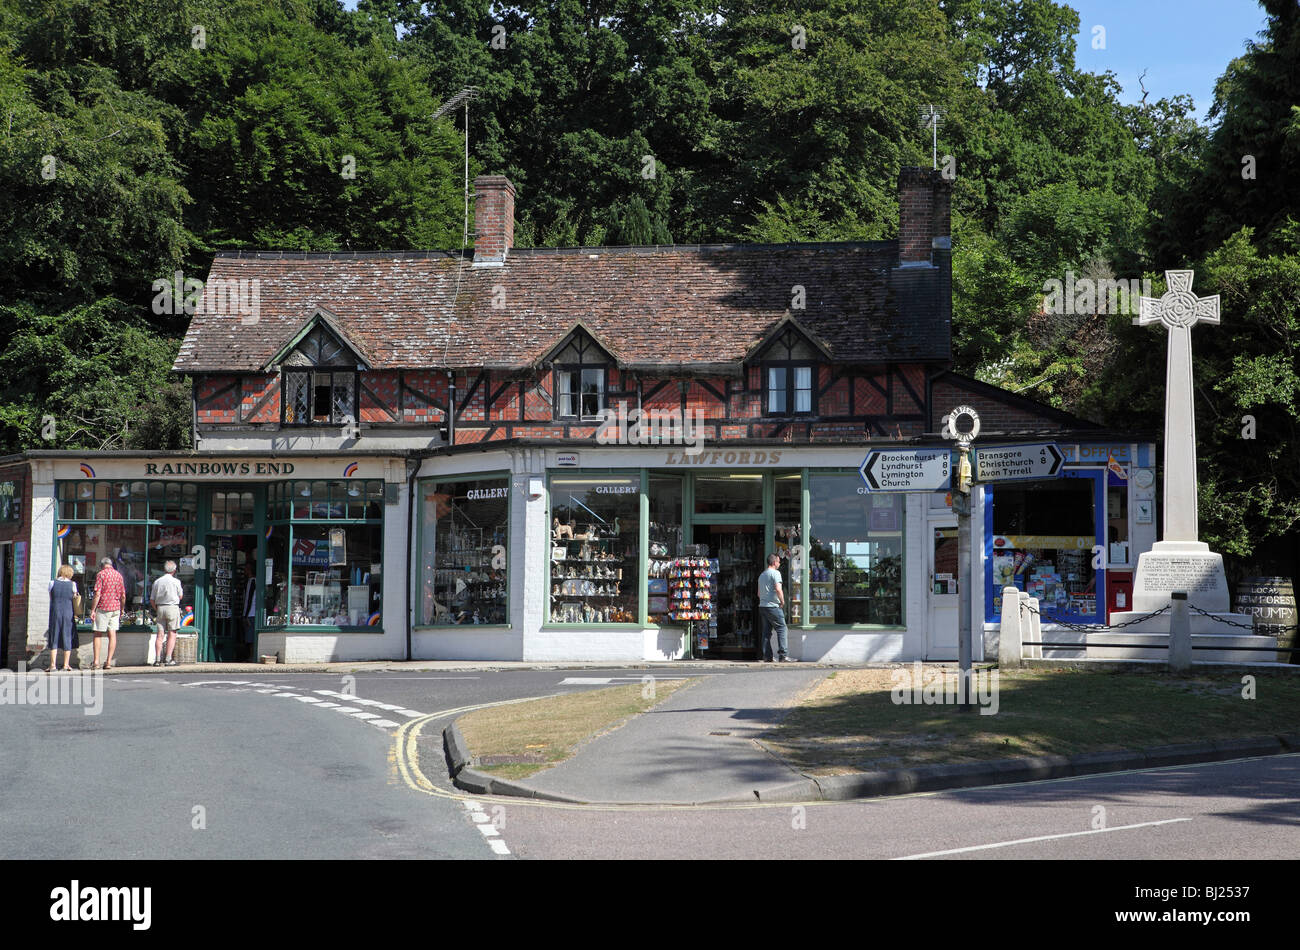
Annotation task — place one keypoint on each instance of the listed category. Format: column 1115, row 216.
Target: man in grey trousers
column 771, row 610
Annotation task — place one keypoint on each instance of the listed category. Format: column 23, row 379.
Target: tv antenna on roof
column 463, row 97
column 931, row 116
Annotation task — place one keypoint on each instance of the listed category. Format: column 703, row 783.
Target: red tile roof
column 669, row 306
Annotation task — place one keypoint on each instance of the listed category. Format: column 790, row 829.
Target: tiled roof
column 655, row 306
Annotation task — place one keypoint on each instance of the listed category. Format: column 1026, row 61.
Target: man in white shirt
column 165, row 598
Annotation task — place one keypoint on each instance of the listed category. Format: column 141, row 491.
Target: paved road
column 224, row 766
column 1243, row 810
column 315, row 765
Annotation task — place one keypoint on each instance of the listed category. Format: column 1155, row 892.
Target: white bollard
column 1010, row 651
column 1035, row 627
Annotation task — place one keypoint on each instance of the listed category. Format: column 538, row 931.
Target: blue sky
column 1183, row 44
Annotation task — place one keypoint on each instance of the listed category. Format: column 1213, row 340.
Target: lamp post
column 963, row 425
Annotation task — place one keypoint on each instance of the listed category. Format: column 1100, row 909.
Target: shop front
column 541, row 554
column 1072, row 541
column 15, row 508
column 275, row 557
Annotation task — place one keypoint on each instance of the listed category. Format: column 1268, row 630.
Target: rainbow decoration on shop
column 87, row 470
column 187, row 619
column 350, row 470
column 269, row 529
column 64, row 531
column 374, row 620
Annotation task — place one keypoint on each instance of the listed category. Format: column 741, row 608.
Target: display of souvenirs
column 223, row 566
column 691, row 589
column 593, row 576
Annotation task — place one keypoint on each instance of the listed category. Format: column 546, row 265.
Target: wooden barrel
column 1272, row 602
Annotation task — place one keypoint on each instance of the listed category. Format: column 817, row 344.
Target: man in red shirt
column 106, row 608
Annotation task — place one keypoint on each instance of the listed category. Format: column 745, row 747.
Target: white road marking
column 373, row 719
column 586, row 681
column 486, row 827
column 1072, row 834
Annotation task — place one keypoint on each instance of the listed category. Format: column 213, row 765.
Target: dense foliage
column 138, row 137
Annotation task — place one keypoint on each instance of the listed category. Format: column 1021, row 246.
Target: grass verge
column 851, row 723
column 521, row 739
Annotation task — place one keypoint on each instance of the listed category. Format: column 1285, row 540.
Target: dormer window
column 319, row 378
column 320, row 398
column 581, row 378
column 789, row 361
column 581, row 392
column 789, row 389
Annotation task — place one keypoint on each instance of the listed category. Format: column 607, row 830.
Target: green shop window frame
column 689, row 518
column 93, row 501
column 903, row 552
column 424, row 484
column 643, row 543
column 280, row 500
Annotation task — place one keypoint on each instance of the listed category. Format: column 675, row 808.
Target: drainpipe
column 412, row 466
column 451, row 408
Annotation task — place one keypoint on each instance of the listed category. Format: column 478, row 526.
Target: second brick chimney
column 924, row 228
column 494, row 219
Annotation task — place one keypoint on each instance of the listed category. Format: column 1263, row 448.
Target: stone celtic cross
column 1179, row 310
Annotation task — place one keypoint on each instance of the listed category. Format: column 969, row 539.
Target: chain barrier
column 1226, row 623
column 1095, row 627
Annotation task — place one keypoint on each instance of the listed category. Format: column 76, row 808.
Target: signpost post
column 963, row 425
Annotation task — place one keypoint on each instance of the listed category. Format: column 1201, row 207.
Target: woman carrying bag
column 64, row 601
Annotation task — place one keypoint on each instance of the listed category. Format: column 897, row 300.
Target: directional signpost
column 907, row 470
column 1006, row 463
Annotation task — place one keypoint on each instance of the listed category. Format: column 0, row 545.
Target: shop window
column 232, row 511
column 737, row 494
column 665, row 542
column 855, row 553
column 171, row 543
column 334, row 575
column 1118, row 552
column 127, row 544
column 327, row 560
column 464, row 557
column 1043, row 539
column 788, row 496
column 594, row 542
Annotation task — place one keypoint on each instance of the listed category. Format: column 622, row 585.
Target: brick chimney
column 924, row 230
column 494, row 219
